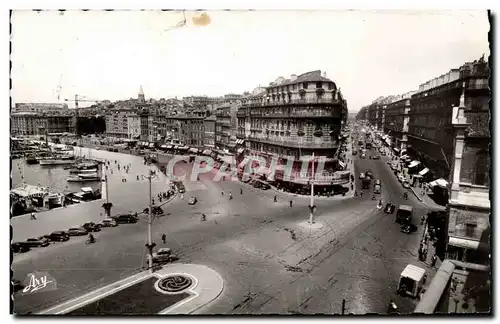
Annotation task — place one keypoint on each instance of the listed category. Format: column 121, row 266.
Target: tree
column 107, row 208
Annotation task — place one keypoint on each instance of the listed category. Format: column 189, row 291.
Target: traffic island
column 174, row 289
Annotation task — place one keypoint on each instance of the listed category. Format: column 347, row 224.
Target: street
column 357, row 255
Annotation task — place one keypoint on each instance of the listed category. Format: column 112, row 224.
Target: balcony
column 295, row 144
column 294, row 102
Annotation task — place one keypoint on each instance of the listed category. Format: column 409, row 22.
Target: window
column 481, row 168
column 304, row 85
column 319, row 85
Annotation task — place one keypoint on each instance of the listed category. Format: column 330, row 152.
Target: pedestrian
column 275, row 198
column 433, row 260
column 241, row 191
column 164, row 238
column 291, row 203
column 222, row 193
column 33, row 217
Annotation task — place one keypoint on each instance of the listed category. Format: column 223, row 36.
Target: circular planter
column 175, row 283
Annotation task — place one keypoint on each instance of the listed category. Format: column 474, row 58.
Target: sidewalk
column 205, row 286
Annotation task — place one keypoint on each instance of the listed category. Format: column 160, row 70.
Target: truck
column 366, row 183
column 404, row 215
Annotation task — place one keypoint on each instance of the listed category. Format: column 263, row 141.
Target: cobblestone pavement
column 356, row 255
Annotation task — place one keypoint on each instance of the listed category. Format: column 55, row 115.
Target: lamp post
column 311, row 206
column 150, row 245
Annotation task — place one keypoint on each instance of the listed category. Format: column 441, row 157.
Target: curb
column 419, row 198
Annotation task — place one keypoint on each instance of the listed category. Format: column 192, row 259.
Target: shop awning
column 193, row 149
column 395, row 149
column 413, row 164
column 169, row 146
column 207, row 152
column 240, row 150
column 423, row 172
column 463, row 243
column 183, row 148
column 176, row 147
column 231, row 144
column 164, row 146
column 440, row 183
column 342, row 164
column 151, row 145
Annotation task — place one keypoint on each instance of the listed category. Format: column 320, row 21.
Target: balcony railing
column 293, row 102
column 295, row 144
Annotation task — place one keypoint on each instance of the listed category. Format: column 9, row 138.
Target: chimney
column 293, row 77
column 324, row 75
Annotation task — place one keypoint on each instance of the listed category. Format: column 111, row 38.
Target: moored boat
column 83, row 171
column 79, row 178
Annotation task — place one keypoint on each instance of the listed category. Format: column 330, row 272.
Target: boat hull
column 56, row 162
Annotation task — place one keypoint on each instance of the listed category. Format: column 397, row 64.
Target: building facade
column 209, row 132
column 297, row 116
column 396, row 121
column 192, row 129
column 117, row 123
column 134, row 126
column 223, row 129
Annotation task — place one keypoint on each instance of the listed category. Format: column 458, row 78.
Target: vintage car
column 125, row 219
column 108, row 222
column 41, row 241
column 58, row 236
column 192, row 201
column 389, row 208
column 164, row 255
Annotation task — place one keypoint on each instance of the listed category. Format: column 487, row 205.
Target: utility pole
column 311, row 208
column 150, row 244
column 106, row 183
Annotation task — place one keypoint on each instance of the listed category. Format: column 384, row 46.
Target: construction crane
column 80, row 99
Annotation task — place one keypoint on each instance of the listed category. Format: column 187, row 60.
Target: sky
column 108, row 55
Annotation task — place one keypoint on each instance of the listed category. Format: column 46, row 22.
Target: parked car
column 383, row 153
column 125, row 219
column 164, row 255
column 362, row 176
column 20, row 247
column 182, row 190
column 354, row 152
column 58, row 236
column 369, row 173
column 363, row 155
column 389, row 208
column 41, row 241
column 192, row 201
column 376, row 182
column 376, row 157
column 77, row 231
column 408, row 229
column 108, row 222
column 406, row 184
column 92, row 227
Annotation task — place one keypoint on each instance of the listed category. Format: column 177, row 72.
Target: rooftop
column 312, row 76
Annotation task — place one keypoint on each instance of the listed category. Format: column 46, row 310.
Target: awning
column 207, row 152
column 176, row 147
column 442, row 183
column 231, row 144
column 151, row 145
column 164, row 146
column 413, row 164
column 463, row 243
column 193, row 149
column 183, row 148
column 395, row 149
column 423, row 172
column 240, row 150
column 169, row 146
column 342, row 164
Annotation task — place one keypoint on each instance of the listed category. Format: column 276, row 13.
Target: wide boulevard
column 357, row 254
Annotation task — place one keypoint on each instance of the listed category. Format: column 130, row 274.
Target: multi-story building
column 39, row 107
column 26, row 123
column 430, row 131
column 58, row 124
column 209, row 128
column 469, row 204
column 117, row 123
column 192, row 130
column 396, row 121
column 297, row 116
column 134, row 126
column 223, row 130
column 144, row 120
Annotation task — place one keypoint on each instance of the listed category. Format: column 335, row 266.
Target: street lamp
column 150, row 245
